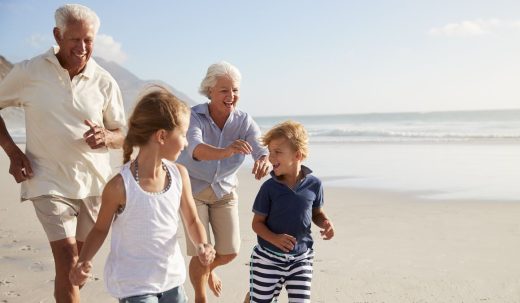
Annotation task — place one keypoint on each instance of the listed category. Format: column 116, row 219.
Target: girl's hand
column 206, row 253
column 284, row 242
column 80, row 273
column 327, row 231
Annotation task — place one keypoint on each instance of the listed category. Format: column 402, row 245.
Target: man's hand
column 20, row 166
column 96, row 136
column 261, row 167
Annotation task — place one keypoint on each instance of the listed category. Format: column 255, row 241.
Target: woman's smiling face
column 224, row 94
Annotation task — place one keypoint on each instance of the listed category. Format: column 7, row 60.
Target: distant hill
column 129, row 83
column 5, row 67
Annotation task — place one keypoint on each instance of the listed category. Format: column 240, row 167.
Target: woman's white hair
column 216, row 70
column 75, row 12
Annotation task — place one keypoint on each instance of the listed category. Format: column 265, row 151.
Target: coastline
column 389, row 247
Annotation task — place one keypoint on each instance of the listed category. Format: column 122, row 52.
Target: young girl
column 142, row 204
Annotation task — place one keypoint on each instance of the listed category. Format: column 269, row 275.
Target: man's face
column 76, row 45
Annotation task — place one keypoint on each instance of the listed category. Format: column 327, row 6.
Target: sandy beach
column 389, row 247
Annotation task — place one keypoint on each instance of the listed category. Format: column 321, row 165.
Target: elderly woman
column 219, row 136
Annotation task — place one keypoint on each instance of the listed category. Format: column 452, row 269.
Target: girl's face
column 175, row 141
column 224, row 95
column 283, row 157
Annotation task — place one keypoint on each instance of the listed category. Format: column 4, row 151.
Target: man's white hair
column 216, row 70
column 75, row 12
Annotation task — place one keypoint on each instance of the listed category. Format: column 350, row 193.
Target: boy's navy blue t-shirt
column 289, row 211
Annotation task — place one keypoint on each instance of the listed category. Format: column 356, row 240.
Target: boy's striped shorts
column 270, row 271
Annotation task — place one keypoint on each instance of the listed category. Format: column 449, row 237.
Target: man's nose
column 82, row 46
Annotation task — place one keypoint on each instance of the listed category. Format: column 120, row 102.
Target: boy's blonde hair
column 293, row 131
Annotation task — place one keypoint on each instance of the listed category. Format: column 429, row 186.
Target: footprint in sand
column 26, row 248
column 36, row 267
column 12, row 294
column 5, row 282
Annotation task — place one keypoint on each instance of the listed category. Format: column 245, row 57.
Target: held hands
column 261, row 167
column 327, row 231
column 284, row 242
column 206, row 253
column 80, row 273
column 96, row 136
column 20, row 166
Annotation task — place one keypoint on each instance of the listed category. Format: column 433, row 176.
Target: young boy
column 283, row 211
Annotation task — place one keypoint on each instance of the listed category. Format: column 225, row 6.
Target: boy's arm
column 284, row 242
column 195, row 229
column 322, row 221
column 112, row 198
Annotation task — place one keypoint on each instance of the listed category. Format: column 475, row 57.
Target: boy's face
column 283, row 157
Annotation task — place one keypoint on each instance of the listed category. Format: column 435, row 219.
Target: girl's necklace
column 165, row 189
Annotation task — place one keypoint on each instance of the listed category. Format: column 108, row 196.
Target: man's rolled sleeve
column 114, row 112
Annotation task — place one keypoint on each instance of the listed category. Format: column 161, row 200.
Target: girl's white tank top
column 145, row 256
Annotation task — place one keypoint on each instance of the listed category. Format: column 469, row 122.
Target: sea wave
column 384, row 133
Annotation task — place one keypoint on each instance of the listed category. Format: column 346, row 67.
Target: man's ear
column 57, row 34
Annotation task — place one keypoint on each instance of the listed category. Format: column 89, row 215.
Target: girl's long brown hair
column 158, row 109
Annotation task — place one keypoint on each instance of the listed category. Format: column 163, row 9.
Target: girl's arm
column 112, row 198
column 321, row 220
column 195, row 229
column 283, row 241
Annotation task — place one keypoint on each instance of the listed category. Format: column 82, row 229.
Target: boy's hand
column 327, row 231
column 284, row 242
column 80, row 273
column 206, row 253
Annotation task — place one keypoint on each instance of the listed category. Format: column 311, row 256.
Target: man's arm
column 20, row 166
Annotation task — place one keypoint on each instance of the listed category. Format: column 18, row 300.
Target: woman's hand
column 239, row 147
column 206, row 253
column 80, row 273
column 261, row 167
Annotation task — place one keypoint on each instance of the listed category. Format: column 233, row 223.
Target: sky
column 303, row 57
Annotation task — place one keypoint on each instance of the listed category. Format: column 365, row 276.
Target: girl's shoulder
column 115, row 190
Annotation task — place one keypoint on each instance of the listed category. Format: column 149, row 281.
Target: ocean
column 435, row 155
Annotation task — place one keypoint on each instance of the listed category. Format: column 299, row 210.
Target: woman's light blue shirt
column 219, row 174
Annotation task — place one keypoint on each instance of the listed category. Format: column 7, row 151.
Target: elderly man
column 74, row 113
